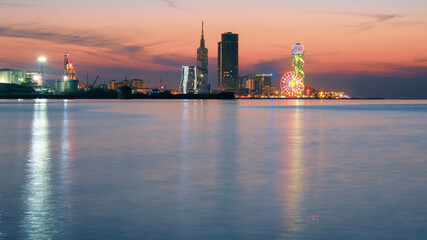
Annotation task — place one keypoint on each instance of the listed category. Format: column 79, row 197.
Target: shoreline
column 219, row 96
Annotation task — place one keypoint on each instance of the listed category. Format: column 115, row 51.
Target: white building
column 11, row 76
column 188, row 82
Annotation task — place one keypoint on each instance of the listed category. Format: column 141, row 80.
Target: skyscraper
column 202, row 66
column 228, row 61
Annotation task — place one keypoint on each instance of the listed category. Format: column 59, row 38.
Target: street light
column 42, row 60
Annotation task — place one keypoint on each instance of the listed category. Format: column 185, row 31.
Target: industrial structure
column 188, row 82
column 69, row 83
column 203, row 85
column 35, row 77
column 12, row 76
column 228, row 62
column 292, row 83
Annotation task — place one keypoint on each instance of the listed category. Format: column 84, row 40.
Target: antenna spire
column 202, row 27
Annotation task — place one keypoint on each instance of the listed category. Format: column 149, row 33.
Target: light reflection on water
column 293, row 173
column 45, row 197
column 63, row 210
column 39, row 220
column 294, row 169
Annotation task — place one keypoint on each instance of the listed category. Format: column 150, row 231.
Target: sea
column 213, row 169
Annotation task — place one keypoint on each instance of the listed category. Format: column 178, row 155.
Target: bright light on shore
column 42, row 59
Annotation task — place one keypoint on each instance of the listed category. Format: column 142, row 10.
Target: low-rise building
column 134, row 84
column 113, row 85
column 255, row 83
column 11, row 76
column 137, row 83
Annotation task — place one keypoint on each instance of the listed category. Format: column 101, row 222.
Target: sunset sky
column 364, row 47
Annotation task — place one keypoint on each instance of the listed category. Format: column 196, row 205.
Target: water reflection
column 38, row 222
column 292, row 183
column 46, row 198
column 64, row 205
column 227, row 174
column 184, row 192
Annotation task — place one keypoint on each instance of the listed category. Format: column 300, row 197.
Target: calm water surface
column 238, row 169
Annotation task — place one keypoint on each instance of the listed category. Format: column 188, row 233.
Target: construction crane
column 94, row 82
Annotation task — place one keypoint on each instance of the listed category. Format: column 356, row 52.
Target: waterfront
column 213, row 169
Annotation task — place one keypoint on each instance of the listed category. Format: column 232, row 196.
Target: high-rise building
column 202, row 66
column 188, row 82
column 228, row 61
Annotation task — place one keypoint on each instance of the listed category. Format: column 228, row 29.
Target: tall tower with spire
column 202, row 66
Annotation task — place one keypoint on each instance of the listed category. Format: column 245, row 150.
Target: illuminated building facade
column 11, row 76
column 255, row 82
column 228, row 61
column 202, row 66
column 137, row 83
column 112, row 85
column 188, row 82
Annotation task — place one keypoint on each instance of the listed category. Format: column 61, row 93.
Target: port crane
column 94, row 82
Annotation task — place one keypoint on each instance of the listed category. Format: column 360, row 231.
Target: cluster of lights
column 298, row 64
column 325, row 94
column 37, row 77
column 292, row 84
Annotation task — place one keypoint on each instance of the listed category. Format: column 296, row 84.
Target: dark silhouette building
column 228, row 61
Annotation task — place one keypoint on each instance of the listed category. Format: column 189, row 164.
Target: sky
column 367, row 48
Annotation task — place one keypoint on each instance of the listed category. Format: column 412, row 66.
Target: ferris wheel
column 292, row 84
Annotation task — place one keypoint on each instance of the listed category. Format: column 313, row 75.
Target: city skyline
column 349, row 46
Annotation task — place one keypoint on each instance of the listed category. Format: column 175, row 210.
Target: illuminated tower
column 69, row 70
column 202, row 66
column 298, row 59
column 70, row 83
column 292, row 83
column 228, row 61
